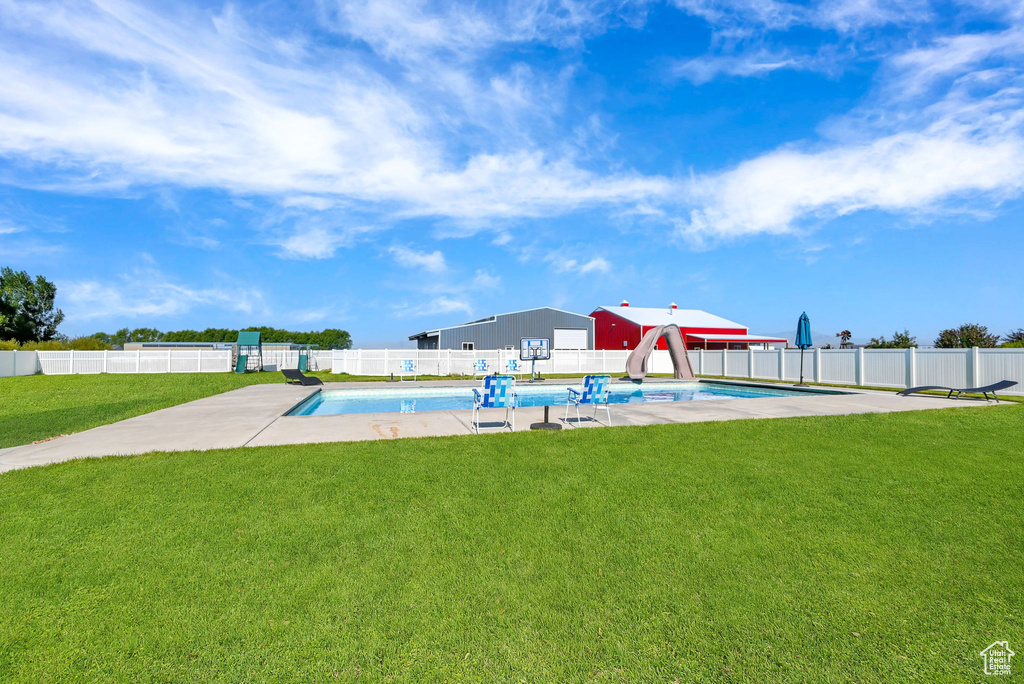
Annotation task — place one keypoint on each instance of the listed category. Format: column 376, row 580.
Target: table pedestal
column 547, row 424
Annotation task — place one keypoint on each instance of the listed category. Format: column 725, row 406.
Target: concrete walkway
column 253, row 416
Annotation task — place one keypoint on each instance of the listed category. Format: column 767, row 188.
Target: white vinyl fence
column 454, row 362
column 159, row 361
column 166, row 361
column 863, row 367
column 319, row 360
column 18, row 363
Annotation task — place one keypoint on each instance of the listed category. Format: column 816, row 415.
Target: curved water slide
column 636, row 364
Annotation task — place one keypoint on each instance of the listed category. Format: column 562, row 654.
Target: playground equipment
column 250, row 352
column 636, row 364
column 305, row 358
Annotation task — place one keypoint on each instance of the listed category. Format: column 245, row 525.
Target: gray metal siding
column 508, row 329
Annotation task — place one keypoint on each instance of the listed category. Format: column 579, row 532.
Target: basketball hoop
column 534, row 350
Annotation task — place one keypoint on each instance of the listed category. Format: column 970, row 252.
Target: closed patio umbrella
column 803, row 341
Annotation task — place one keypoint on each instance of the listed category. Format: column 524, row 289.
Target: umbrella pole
column 801, row 368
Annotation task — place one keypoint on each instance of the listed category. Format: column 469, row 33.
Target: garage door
column 570, row 338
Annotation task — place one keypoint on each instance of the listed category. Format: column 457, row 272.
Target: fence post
column 168, row 360
column 105, row 355
column 138, row 360
column 817, row 364
column 974, row 368
column 750, row 362
column 860, row 367
column 911, row 367
column 782, row 364
column 71, row 368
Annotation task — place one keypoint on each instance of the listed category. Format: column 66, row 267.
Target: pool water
column 415, row 400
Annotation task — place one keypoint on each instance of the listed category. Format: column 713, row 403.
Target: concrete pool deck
column 253, row 416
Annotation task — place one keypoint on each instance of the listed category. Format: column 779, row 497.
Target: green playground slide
column 243, row 361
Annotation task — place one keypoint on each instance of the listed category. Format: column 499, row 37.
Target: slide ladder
column 636, row 364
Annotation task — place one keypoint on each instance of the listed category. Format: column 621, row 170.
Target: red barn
column 621, row 327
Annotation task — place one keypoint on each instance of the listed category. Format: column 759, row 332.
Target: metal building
column 503, row 331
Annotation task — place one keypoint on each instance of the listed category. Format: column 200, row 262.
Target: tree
column 967, row 335
column 121, row 336
column 1014, row 336
column 329, row 338
column 145, row 335
column 900, row 340
column 27, row 311
column 844, row 338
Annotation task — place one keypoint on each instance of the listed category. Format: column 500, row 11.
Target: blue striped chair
column 512, row 367
column 480, row 367
column 499, row 391
column 594, row 391
column 408, row 368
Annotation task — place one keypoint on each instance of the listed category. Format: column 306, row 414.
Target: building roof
column 684, row 318
column 491, row 319
column 735, row 338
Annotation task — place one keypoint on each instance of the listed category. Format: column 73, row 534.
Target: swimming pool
column 417, row 399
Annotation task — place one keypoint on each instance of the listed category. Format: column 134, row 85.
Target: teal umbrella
column 803, row 341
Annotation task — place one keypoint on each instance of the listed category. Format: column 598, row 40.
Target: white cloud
column 432, row 262
column 485, row 281
column 951, row 57
column 113, row 94
column 310, row 315
column 411, row 30
column 8, row 228
column 596, row 265
column 147, row 292
column 310, row 202
column 942, row 132
column 910, row 171
column 743, row 16
column 561, row 264
column 134, row 96
column 438, row 305
column 706, row 68
column 316, row 241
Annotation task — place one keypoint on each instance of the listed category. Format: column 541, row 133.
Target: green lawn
column 868, row 548
column 41, row 406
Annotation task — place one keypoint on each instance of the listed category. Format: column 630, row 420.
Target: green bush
column 966, row 336
column 77, row 343
column 900, row 340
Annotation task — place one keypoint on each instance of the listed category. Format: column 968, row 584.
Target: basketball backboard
column 534, row 349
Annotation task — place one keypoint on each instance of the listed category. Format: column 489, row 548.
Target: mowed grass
column 867, row 548
column 38, row 407
column 41, row 406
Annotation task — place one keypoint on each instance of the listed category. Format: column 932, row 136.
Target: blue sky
column 390, row 167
